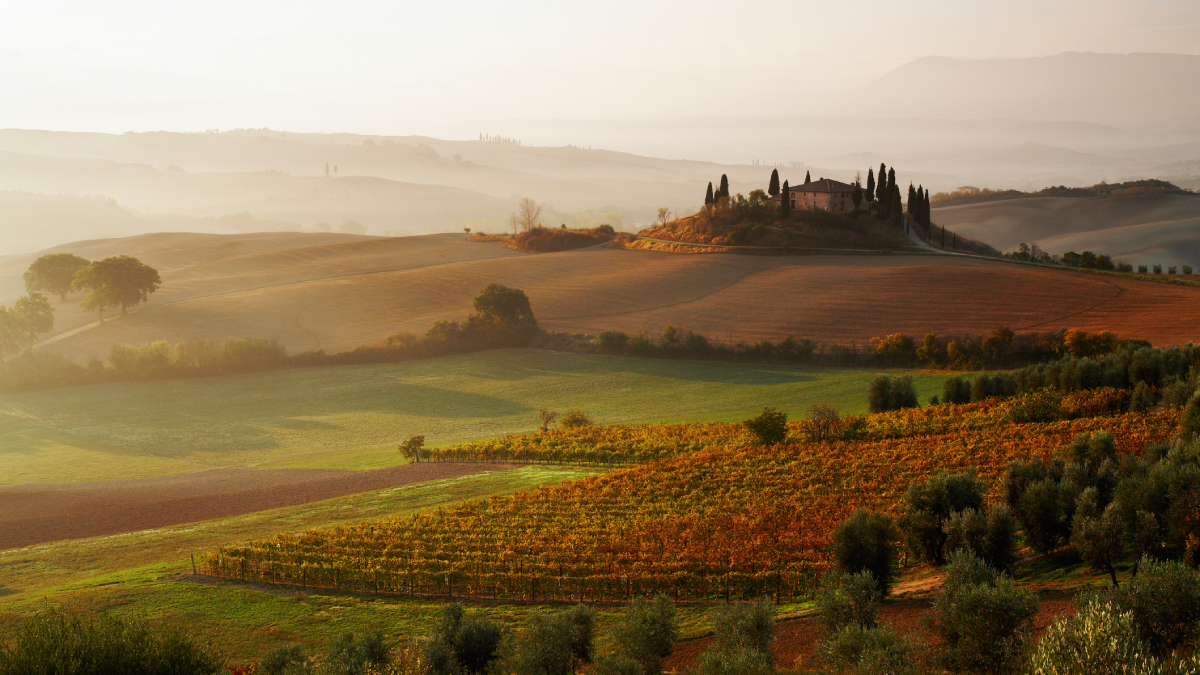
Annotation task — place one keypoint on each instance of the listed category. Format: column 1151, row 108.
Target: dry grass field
column 336, row 292
column 1138, row 229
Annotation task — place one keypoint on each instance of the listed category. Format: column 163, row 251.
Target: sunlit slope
column 1140, row 229
column 338, row 291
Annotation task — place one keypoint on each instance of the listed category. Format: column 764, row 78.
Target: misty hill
column 1137, row 229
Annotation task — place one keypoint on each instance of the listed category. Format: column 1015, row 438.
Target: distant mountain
column 1129, row 90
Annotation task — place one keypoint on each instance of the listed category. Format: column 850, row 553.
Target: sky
column 392, row 67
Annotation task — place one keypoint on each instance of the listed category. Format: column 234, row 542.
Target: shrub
column 869, row 651
column 617, row 664
column 770, row 428
column 744, row 636
column 1042, row 405
column 1142, row 399
column 1175, row 394
column 1171, row 270
column 1158, row 269
column 64, row 642
column 575, row 419
column 985, row 623
column 929, row 504
column 1187, row 269
column 992, row 537
column 1045, row 509
column 545, row 646
column 284, row 659
column 1141, row 269
column 848, row 599
column 462, row 643
column 647, row 632
column 356, row 654
column 1189, row 420
column 891, row 393
column 1164, row 601
column 613, row 341
column 956, row 390
column 865, row 542
column 1098, row 639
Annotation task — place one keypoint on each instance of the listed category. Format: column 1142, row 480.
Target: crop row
column 720, row 522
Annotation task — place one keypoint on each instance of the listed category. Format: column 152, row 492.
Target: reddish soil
column 798, row 638
column 35, row 514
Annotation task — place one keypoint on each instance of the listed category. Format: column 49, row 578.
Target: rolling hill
column 1138, row 229
column 336, row 292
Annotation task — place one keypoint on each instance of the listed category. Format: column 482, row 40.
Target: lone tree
column 121, row 281
column 664, row 216
column 773, row 186
column 21, row 323
column 526, row 217
column 785, row 203
column 411, row 449
column 807, row 177
column 54, row 273
column 507, row 309
column 547, row 418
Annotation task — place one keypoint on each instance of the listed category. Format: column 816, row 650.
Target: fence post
column 193, row 564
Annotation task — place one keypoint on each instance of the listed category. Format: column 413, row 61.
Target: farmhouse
column 825, row 194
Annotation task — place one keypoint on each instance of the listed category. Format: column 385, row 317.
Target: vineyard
column 722, row 521
column 627, row 444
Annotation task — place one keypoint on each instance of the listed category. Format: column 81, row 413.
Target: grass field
column 146, row 574
column 353, row 417
column 337, row 292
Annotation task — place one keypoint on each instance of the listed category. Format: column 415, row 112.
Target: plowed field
column 34, row 514
column 338, row 291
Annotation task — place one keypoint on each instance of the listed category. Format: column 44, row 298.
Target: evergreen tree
column 892, row 180
column 785, row 202
column 708, row 198
column 881, row 190
column 870, row 184
column 773, row 186
column 807, row 177
column 912, row 206
column 896, row 212
column 919, row 214
column 724, row 186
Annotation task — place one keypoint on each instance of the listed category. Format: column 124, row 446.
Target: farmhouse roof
column 823, row 185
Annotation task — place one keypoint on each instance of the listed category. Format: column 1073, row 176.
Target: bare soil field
column 796, row 640
column 337, row 292
column 35, row 514
column 1138, row 229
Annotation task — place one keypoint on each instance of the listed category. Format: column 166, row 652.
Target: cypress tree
column 807, row 177
column 773, row 186
column 897, row 214
column 919, row 214
column 892, row 179
column 724, row 186
column 785, row 202
column 708, row 198
column 912, row 205
column 881, row 190
column 870, row 184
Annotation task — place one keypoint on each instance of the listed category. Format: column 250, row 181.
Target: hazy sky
column 405, row 67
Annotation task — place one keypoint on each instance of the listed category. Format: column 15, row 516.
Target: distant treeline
column 1133, row 187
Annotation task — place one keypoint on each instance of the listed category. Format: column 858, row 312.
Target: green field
column 353, row 417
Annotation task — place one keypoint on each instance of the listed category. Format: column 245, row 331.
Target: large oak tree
column 120, row 281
